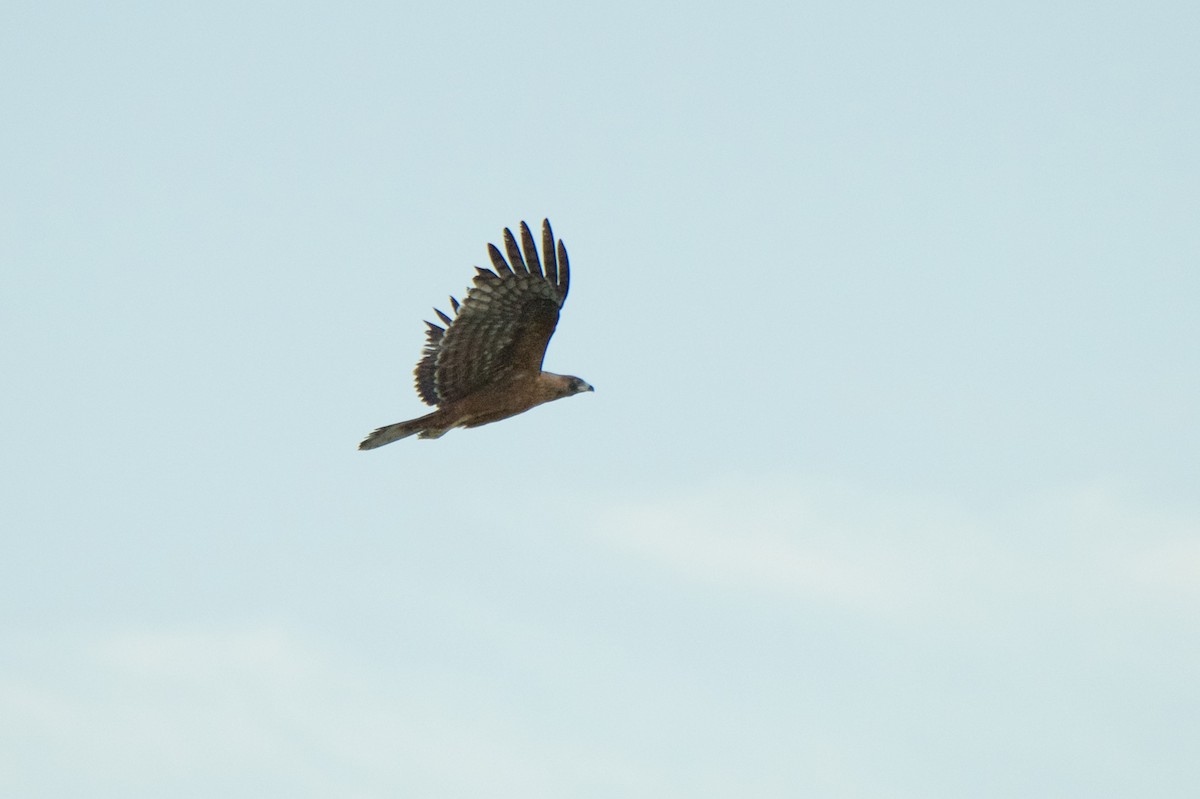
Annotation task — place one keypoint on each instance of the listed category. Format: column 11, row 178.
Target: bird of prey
column 486, row 363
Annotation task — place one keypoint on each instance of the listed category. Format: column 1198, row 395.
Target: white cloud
column 142, row 711
column 1173, row 566
column 933, row 607
column 902, row 555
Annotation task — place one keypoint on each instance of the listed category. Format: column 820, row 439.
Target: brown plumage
column 486, row 363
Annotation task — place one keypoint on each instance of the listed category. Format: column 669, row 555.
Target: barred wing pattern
column 503, row 325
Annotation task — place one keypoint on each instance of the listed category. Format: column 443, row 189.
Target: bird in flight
column 486, row 363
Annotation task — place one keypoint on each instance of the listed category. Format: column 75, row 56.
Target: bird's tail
column 394, row 432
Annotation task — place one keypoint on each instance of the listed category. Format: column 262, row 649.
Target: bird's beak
column 589, row 387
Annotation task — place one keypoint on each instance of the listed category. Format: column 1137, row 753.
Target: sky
column 888, row 487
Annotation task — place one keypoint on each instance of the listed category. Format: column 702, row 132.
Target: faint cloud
column 745, row 540
column 1172, row 566
column 147, row 709
column 891, row 554
column 137, row 705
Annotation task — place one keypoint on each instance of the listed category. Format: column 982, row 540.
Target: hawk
column 486, row 363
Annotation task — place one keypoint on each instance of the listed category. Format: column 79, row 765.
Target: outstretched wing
column 503, row 325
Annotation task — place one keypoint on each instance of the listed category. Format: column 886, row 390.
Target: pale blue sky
column 888, row 487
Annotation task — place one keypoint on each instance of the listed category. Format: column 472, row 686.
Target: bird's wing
column 503, row 325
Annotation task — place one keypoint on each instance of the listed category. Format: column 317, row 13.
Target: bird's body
column 486, row 363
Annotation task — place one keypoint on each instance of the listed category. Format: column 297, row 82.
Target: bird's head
column 563, row 385
column 578, row 385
